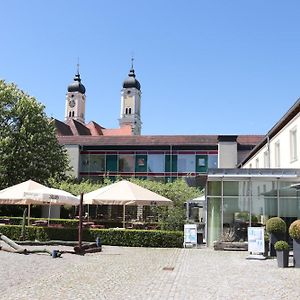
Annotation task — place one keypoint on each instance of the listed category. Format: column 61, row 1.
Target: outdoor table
column 4, row 221
column 40, row 223
column 87, row 224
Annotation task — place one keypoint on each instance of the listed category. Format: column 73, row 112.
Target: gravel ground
column 138, row 273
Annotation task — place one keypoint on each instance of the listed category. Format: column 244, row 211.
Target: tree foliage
column 179, row 192
column 28, row 145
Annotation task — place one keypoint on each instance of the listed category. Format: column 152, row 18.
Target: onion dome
column 76, row 86
column 131, row 81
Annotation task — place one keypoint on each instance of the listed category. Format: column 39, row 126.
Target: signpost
column 190, row 235
column 256, row 242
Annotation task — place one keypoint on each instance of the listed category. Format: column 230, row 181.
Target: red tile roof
column 154, row 140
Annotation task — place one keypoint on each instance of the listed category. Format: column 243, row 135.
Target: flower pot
column 282, row 258
column 296, row 252
column 274, row 237
column 266, row 253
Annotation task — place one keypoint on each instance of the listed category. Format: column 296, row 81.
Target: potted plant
column 294, row 232
column 282, row 253
column 276, row 227
column 267, row 241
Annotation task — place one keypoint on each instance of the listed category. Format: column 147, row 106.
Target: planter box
column 296, row 252
column 282, row 258
column 273, row 239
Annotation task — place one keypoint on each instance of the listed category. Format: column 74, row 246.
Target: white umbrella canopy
column 31, row 192
column 125, row 193
column 51, row 196
column 15, row 194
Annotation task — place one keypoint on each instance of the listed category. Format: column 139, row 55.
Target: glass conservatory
column 238, row 198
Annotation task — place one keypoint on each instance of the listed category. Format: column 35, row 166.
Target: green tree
column 28, row 145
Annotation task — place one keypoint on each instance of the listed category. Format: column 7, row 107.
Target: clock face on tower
column 72, row 103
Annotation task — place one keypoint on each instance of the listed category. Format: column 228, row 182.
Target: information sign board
column 190, row 234
column 256, row 240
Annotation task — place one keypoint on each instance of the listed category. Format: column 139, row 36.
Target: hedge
column 130, row 238
column 73, row 223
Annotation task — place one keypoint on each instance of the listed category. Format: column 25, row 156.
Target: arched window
column 73, row 113
column 69, row 114
column 129, row 110
column 126, row 111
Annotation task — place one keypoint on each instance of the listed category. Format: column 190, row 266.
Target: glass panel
column 214, row 188
column 97, row 163
column 171, row 160
column 201, row 163
column 186, row 162
column 285, row 189
column 156, row 163
column 289, row 207
column 213, row 219
column 141, row 163
column 258, row 209
column 92, row 163
column 236, row 217
column 84, row 163
column 111, row 163
column 212, row 161
column 126, row 162
column 231, row 188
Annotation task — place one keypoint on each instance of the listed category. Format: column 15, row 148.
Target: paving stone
column 138, row 273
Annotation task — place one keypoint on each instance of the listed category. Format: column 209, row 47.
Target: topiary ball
column 281, row 245
column 276, row 225
column 294, row 230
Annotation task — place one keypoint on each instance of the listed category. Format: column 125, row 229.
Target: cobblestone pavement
column 138, row 273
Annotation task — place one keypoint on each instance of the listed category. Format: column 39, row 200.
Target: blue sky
column 205, row 67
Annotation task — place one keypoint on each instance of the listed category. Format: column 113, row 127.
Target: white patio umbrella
column 14, row 195
column 125, row 193
column 31, row 192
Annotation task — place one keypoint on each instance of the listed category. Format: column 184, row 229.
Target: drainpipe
column 269, row 151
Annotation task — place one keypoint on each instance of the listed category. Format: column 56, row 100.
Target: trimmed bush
column 276, row 225
column 281, row 245
column 294, row 230
column 130, row 238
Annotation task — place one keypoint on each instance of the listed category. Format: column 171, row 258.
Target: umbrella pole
column 124, row 216
column 49, row 212
column 80, row 224
column 28, row 214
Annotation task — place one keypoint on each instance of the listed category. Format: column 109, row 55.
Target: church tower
column 131, row 103
column 75, row 100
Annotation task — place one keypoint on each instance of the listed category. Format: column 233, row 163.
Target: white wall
column 227, row 157
column 283, row 137
column 73, row 153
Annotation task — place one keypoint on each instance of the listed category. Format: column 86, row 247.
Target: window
column 212, row 161
column 126, row 111
column 92, row 163
column 277, row 154
column 257, row 163
column 129, row 110
column 293, row 144
column 126, row 162
column 266, row 159
column 186, row 163
column 156, row 163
